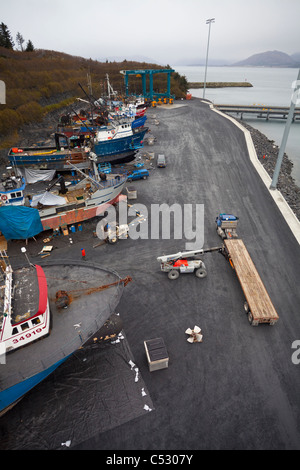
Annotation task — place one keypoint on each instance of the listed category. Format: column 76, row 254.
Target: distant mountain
column 296, row 57
column 270, row 59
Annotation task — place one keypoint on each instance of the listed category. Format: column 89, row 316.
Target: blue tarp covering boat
column 19, row 222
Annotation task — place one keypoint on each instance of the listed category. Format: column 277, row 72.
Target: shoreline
column 267, row 152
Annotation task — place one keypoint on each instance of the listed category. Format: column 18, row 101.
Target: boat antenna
column 90, row 101
column 81, row 120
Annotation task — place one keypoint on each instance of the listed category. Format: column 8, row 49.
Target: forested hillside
column 40, row 81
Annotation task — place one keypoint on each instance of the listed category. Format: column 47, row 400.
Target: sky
column 166, row 31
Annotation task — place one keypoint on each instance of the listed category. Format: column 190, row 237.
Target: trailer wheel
column 246, row 307
column 173, row 274
column 250, row 317
column 201, row 272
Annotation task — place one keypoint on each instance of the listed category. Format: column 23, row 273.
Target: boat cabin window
column 14, row 195
column 24, row 326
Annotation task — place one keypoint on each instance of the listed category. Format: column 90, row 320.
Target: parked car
column 161, row 161
column 138, row 174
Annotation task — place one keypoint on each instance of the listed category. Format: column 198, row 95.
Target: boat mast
column 97, row 181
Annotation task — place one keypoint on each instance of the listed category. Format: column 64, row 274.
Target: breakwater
column 219, row 84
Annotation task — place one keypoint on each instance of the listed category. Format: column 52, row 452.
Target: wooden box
column 157, row 354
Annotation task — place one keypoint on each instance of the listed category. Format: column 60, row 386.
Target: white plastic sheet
column 47, row 199
column 33, row 176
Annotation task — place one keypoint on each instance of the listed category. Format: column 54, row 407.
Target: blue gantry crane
column 150, row 94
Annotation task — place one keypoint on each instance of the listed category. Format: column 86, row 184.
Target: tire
column 201, row 273
column 246, row 307
column 144, row 177
column 129, row 179
column 250, row 317
column 173, row 274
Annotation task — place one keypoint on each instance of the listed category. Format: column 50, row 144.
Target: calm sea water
column 271, row 87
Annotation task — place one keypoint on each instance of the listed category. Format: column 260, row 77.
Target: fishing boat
column 50, row 157
column 87, row 130
column 109, row 149
column 56, row 207
column 80, row 202
column 12, row 190
column 78, row 300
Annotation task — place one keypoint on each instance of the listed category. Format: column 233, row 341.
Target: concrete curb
column 281, row 203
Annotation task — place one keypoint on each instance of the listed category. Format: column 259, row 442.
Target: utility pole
column 285, row 134
column 209, row 22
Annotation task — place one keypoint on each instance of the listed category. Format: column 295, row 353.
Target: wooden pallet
column 257, row 297
column 76, row 195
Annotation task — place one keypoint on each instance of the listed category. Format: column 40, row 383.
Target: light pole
column 209, row 22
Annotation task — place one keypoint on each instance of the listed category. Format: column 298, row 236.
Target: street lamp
column 209, row 21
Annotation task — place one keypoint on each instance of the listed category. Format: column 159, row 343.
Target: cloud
column 166, row 30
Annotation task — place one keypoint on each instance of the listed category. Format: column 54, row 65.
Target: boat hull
column 118, row 146
column 75, row 216
column 11, row 396
column 47, row 159
column 98, row 295
column 97, row 206
column 119, row 158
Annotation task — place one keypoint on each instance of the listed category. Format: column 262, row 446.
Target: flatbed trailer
column 258, row 305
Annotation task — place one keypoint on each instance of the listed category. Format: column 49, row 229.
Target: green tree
column 29, row 46
column 5, row 37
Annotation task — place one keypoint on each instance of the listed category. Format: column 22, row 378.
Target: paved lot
column 239, row 388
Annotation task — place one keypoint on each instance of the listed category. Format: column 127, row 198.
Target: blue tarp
column 19, row 222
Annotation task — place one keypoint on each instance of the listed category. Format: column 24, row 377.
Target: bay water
column 271, row 87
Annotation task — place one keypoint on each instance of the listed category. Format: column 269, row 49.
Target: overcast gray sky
column 167, row 31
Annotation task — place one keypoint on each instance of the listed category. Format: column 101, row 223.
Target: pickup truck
column 138, row 174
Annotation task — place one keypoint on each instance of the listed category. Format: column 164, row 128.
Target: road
column 239, row 388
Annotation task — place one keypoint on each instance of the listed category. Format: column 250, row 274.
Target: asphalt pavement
column 239, row 388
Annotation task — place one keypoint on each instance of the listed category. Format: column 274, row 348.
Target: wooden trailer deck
column 261, row 309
